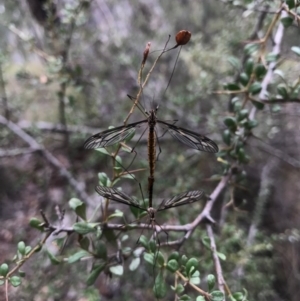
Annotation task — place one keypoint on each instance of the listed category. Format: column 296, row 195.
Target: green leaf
column 128, row 176
column 97, row 269
column 127, row 251
column 124, row 237
column 117, row 270
column 206, row 242
column 217, row 296
column 249, row 66
column 149, row 258
column 260, row 71
column 237, row 106
column 117, row 213
column 28, row 250
column 100, row 249
column 279, row 73
column 226, row 137
column 253, row 123
column 238, row 296
column 159, row 258
column 258, row 104
column 296, row 50
column 234, row 62
column 1, row 282
column 175, row 255
column 211, row 281
column 255, row 88
column 221, row 256
column 37, row 224
column 152, row 245
column 230, row 122
column 15, row 281
column 276, row 108
column 232, row 87
column 185, row 298
column 22, row 273
column 77, row 256
column 102, row 150
column 200, row 298
column 172, row 265
column 183, row 259
column 3, row 269
column 103, row 179
column 282, row 91
column 21, row 247
column 290, row 3
column 119, row 161
column 179, row 289
column 159, row 287
column 250, row 48
column 191, row 266
column 79, row 207
column 244, row 78
column 134, row 264
column 85, row 228
column 118, row 170
column 243, row 114
column 54, row 260
column 195, row 279
column 287, row 21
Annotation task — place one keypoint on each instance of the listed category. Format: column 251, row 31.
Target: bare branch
column 216, row 258
column 35, row 146
column 16, row 152
column 268, row 77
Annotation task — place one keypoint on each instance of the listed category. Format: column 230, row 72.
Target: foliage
column 77, row 66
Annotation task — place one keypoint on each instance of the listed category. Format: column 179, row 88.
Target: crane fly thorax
column 151, row 212
column 152, row 119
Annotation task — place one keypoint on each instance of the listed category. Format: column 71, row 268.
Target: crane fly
column 181, row 199
column 176, row 201
column 118, row 134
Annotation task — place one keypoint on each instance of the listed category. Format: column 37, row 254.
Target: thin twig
column 195, row 287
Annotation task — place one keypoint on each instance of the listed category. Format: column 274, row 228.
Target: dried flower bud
column 183, row 37
column 146, row 52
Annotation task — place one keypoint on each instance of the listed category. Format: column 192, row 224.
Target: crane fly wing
column 111, row 136
column 181, row 199
column 191, row 139
column 117, row 196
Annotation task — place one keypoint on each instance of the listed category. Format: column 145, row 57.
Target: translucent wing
column 112, row 136
column 191, row 139
column 118, row 196
column 182, row 199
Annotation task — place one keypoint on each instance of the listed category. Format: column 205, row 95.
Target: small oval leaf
column 134, row 264
column 172, row 265
column 3, row 269
column 77, row 256
column 159, row 287
column 15, row 281
column 117, row 270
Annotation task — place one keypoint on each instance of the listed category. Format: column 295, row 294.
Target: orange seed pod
column 183, row 37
